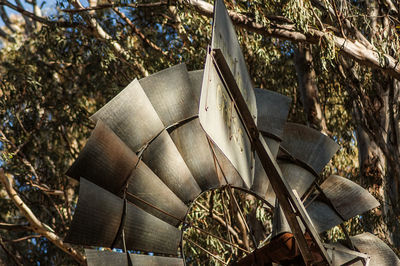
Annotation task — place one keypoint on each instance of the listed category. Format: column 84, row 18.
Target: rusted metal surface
column 105, row 160
column 225, row 39
column 272, row 111
column 308, row 145
column 107, row 258
column 97, row 216
column 171, row 94
column 222, row 124
column 381, row 254
column 191, row 142
column 164, row 159
column 343, row 193
column 144, row 184
column 146, row 232
column 131, row 116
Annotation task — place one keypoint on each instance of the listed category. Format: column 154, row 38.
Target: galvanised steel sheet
column 145, row 188
column 107, row 258
column 272, row 111
column 308, row 145
column 343, row 193
column 131, row 116
column 196, row 80
column 224, row 38
column 97, row 216
column 146, row 232
column 164, row 159
column 171, row 94
column 105, row 160
column 191, row 142
column 222, row 124
column 381, row 254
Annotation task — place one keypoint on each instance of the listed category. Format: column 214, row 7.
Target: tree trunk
column 308, row 88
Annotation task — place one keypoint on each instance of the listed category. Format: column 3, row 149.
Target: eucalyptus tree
column 337, row 59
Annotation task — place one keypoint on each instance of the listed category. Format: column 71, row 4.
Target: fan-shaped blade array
column 165, row 139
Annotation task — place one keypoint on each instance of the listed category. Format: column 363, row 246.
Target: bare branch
column 36, row 225
column 39, row 19
column 14, row 227
column 350, row 48
column 106, row 6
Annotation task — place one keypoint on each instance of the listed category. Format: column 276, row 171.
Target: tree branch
column 353, row 49
column 106, row 6
column 36, row 225
column 15, row 227
column 37, row 18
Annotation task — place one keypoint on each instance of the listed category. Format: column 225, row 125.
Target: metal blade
column 171, row 94
column 381, row 254
column 131, row 116
column 272, row 111
column 106, row 258
column 341, row 254
column 298, row 178
column 192, row 144
column 97, row 216
column 308, row 145
column 105, row 160
column 146, row 186
column 163, row 158
column 146, row 232
column 196, row 80
column 343, row 193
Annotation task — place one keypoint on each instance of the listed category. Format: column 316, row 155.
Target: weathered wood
column 131, row 116
column 164, row 159
column 171, row 94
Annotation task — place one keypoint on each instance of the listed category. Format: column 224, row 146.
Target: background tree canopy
column 336, row 59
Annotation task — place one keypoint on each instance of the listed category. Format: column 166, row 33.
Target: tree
column 337, row 59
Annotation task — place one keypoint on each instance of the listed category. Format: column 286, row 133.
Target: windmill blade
column 164, row 159
column 106, row 258
column 342, row 255
column 308, row 151
column 97, row 217
column 109, row 163
column 272, row 111
column 308, row 145
column 196, row 80
column 191, row 142
column 148, row 192
column 146, row 232
column 105, row 160
column 342, row 193
column 380, row 253
column 171, row 94
column 125, row 115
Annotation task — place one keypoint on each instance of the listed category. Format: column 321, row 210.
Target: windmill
column 167, row 138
